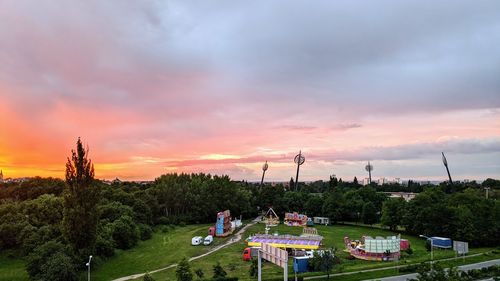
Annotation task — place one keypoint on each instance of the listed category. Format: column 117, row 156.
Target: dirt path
column 236, row 238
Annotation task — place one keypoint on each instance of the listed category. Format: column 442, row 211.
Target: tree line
column 56, row 224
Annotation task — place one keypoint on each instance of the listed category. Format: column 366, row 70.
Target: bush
column 289, row 279
column 164, row 229
column 58, row 267
column 104, row 244
column 125, row 233
column 148, row 277
column 163, row 221
column 50, row 262
column 409, row 251
column 219, row 272
column 145, row 231
column 33, row 237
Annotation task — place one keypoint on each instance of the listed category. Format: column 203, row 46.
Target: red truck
column 250, row 252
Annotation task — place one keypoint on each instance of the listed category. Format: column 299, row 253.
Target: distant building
column 407, row 196
column 1, row 176
column 366, row 181
column 382, row 181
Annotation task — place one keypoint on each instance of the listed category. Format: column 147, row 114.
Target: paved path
column 235, row 238
column 466, row 267
column 379, row 268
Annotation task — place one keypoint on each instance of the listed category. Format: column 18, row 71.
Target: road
column 466, row 267
column 236, row 237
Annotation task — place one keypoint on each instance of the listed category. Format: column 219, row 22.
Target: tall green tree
column 333, row 206
column 183, row 271
column 81, row 197
column 369, row 213
column 393, row 212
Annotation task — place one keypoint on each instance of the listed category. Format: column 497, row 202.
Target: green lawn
column 161, row 250
column 164, row 249
column 231, row 257
column 12, row 269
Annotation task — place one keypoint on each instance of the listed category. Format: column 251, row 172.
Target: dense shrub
column 145, row 231
column 125, row 232
column 50, row 262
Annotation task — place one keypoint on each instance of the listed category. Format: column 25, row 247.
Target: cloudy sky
column 221, row 86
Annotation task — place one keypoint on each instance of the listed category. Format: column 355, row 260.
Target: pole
column 264, row 169
column 88, row 267
column 432, row 247
column 259, row 270
column 262, row 180
column 297, row 176
column 432, row 253
column 285, row 272
column 487, row 190
column 369, row 173
column 445, row 162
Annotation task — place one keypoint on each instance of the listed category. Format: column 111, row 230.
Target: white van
column 197, row 240
column 208, row 240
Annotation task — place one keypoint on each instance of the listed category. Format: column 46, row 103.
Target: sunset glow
column 175, row 86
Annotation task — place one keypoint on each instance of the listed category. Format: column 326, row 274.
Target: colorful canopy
column 285, row 241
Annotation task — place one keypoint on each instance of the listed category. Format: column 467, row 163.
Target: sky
column 220, row 87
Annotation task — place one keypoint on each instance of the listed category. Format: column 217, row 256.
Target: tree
column 291, row 185
column 183, row 271
column 50, row 262
column 314, row 205
column 439, row 273
column 355, row 181
column 369, row 213
column 125, row 232
column 81, row 197
column 323, row 261
column 254, row 268
column 219, row 272
column 393, row 213
column 199, row 272
column 333, row 182
column 333, row 206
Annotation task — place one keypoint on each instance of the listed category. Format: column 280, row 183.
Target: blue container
column 300, row 264
column 441, row 242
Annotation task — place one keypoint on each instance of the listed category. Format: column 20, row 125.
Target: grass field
column 164, row 249
column 231, row 257
column 161, row 250
column 12, row 269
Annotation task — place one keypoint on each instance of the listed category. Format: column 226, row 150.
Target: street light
column 88, row 266
column 432, row 246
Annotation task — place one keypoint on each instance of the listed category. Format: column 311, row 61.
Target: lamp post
column 432, row 246
column 88, row 267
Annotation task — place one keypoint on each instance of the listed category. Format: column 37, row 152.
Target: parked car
column 208, row 240
column 197, row 240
